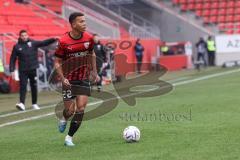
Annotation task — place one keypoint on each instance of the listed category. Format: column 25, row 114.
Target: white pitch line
column 38, row 117
column 20, row 112
column 30, row 110
column 174, row 84
column 52, row 105
column 205, row 77
column 26, row 119
column 177, row 79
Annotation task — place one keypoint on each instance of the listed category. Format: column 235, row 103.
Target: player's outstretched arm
column 44, row 42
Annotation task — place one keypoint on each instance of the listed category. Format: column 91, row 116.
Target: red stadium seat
column 230, row 11
column 237, row 31
column 206, row 19
column 191, row 6
column 176, row 2
column 222, row 4
column 237, row 4
column 213, row 12
column 54, row 5
column 237, row 26
column 222, row 11
column 183, row 1
column 9, row 29
column 213, row 19
column 199, row 13
column 3, row 20
column 206, row 13
column 39, row 23
column 237, row 18
column 229, row 18
column 199, row 6
column 221, row 19
column 222, row 26
column 191, row 1
column 206, row 5
column 219, row 12
column 184, row 7
column 28, row 20
column 230, row 4
column 214, row 5
column 230, row 31
column 237, row 10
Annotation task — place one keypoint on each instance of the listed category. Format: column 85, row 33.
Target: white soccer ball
column 131, row 134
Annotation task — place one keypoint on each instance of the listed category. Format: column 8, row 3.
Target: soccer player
column 75, row 63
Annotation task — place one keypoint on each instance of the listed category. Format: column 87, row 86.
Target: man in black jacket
column 26, row 51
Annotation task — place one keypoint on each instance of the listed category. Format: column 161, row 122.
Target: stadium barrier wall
column 126, row 47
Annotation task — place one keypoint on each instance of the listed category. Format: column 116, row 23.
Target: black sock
column 75, row 123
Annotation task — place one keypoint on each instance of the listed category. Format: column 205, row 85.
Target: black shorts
column 77, row 88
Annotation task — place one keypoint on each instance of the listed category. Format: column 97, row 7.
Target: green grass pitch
column 195, row 121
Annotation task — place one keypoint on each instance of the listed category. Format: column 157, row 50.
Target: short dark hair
column 22, row 31
column 74, row 15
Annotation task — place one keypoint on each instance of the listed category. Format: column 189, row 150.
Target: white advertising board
column 228, row 43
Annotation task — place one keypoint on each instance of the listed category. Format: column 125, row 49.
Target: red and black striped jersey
column 76, row 55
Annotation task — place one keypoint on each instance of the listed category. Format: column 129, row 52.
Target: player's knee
column 71, row 111
column 80, row 109
column 81, row 106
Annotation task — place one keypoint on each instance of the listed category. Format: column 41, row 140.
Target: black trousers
column 23, row 77
column 200, row 56
column 139, row 62
column 99, row 66
column 211, row 58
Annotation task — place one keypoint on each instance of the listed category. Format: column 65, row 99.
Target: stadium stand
column 21, row 16
column 39, row 23
column 39, row 19
column 224, row 13
column 97, row 22
column 54, row 5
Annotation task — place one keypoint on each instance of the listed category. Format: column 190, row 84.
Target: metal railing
column 98, row 23
column 57, row 16
column 90, row 12
column 134, row 19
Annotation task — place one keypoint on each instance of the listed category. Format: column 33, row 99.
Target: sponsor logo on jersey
column 86, row 45
column 78, row 54
column 70, row 48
